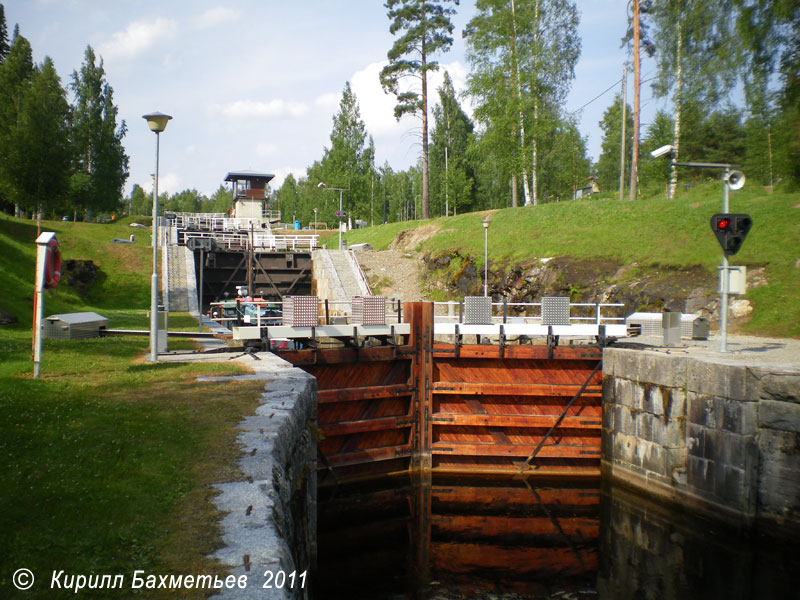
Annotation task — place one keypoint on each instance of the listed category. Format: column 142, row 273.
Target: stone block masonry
column 271, row 521
column 720, row 439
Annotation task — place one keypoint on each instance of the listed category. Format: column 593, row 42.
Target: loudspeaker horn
column 735, row 180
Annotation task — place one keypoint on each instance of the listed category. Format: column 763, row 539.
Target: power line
column 601, row 94
column 608, row 89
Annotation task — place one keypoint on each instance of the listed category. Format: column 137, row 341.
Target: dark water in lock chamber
column 508, row 538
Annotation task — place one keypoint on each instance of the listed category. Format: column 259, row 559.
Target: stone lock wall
column 271, row 519
column 720, row 439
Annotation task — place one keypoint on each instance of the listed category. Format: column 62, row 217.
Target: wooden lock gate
column 532, row 409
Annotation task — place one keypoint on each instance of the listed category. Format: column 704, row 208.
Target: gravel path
column 393, row 274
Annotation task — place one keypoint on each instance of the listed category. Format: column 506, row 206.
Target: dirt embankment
column 402, row 273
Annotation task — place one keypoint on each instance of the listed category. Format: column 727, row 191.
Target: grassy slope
column 105, row 461
column 652, row 231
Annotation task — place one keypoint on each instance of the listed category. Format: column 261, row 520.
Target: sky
column 254, row 84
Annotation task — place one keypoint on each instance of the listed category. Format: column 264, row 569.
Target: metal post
column 154, row 278
column 723, row 305
column 622, row 137
column 41, row 260
column 340, row 219
column 200, row 291
column 485, row 261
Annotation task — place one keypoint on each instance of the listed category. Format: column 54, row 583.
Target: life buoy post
column 48, row 274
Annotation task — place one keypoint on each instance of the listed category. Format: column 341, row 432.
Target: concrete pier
column 718, row 434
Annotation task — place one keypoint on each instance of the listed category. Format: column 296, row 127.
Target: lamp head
column 321, row 185
column 667, row 150
column 157, row 121
column 486, row 222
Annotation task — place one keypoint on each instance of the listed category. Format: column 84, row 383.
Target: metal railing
column 260, row 241
column 329, row 312
column 359, row 272
column 517, row 312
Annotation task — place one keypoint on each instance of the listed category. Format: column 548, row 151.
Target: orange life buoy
column 52, row 264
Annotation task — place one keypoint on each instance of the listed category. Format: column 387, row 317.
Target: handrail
column 261, row 240
column 359, row 271
column 597, row 318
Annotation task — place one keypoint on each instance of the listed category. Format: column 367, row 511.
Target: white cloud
column 283, row 172
column 137, row 38
column 214, row 17
column 251, row 109
column 329, row 100
column 167, row 182
column 266, row 150
column 377, row 107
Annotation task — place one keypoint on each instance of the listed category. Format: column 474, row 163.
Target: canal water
column 507, row 538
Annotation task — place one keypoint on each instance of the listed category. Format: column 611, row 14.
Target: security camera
column 663, row 151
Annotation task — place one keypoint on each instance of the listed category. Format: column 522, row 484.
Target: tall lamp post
column 157, row 122
column 486, row 256
column 339, row 214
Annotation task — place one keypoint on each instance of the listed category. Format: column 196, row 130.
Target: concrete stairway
column 338, row 278
column 180, row 280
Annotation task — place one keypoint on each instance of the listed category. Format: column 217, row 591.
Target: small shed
column 74, row 326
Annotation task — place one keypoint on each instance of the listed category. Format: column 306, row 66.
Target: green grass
column 651, row 232
column 106, row 461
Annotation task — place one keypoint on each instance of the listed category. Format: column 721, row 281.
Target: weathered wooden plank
column 513, row 389
column 367, row 455
column 516, row 526
column 346, row 355
column 579, row 422
column 519, row 352
column 523, row 450
column 488, row 498
column 466, row 557
column 363, row 393
column 345, row 428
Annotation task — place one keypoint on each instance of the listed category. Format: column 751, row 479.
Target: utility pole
column 636, row 85
column 622, row 138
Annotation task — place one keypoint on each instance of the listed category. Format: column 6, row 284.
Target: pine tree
column 96, row 138
column 426, row 29
column 43, row 143
column 16, row 75
column 451, row 173
column 347, row 164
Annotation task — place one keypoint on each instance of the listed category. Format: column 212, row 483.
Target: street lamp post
column 486, row 256
column 321, row 185
column 157, row 122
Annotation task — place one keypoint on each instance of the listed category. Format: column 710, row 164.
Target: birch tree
column 695, row 53
column 522, row 55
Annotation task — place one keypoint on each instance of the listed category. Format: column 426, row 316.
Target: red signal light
column 724, row 223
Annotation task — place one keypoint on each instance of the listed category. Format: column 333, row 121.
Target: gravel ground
column 393, row 274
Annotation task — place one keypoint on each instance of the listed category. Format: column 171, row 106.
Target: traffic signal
column 341, row 213
column 731, row 229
